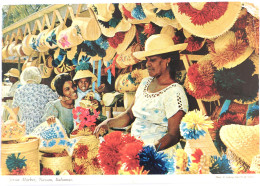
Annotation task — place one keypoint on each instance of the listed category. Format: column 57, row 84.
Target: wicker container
column 57, row 163
column 29, row 150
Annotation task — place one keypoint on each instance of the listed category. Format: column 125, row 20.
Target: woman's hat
column 207, row 19
column 109, row 18
column 127, row 38
column 242, row 140
column 84, row 74
column 159, row 44
column 134, row 13
column 229, row 51
column 13, row 72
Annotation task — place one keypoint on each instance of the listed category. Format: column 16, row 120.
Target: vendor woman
column 62, row 107
column 160, row 102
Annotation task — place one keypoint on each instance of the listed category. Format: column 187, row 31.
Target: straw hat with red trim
column 110, row 19
column 51, row 36
column 242, row 141
column 229, row 51
column 159, row 44
column 122, row 44
column 207, row 19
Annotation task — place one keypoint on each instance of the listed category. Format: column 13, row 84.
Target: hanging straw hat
column 125, row 42
column 242, row 141
column 40, row 41
column 134, row 13
column 11, row 49
column 5, row 52
column 108, row 23
column 159, row 44
column 25, row 45
column 206, row 19
column 69, row 37
column 194, row 43
column 51, row 36
column 226, row 45
column 110, row 53
column 89, row 27
column 13, row 72
column 252, row 32
column 159, row 16
column 19, row 50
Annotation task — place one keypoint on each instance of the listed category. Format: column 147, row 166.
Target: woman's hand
column 104, row 125
column 50, row 120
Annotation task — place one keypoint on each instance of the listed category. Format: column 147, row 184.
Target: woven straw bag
column 204, row 143
column 57, row 163
column 29, row 150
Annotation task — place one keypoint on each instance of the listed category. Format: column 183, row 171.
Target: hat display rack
column 218, row 44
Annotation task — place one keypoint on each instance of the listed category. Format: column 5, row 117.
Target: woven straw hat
column 40, row 41
column 224, row 46
column 51, row 36
column 158, row 15
column 110, row 53
column 72, row 52
column 89, row 27
column 129, row 36
column 84, row 74
column 69, row 37
column 242, row 140
column 5, row 52
column 159, row 44
column 13, row 72
column 26, row 47
column 219, row 17
column 127, row 9
column 19, row 50
column 99, row 12
column 255, row 59
column 11, row 50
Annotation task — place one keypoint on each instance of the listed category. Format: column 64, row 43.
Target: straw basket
column 204, row 143
column 57, row 163
column 29, row 150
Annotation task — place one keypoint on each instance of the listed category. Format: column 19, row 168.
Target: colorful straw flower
column 79, row 169
column 196, row 156
column 154, row 162
column 138, row 12
column 18, row 171
column 82, row 151
column 13, row 162
column 220, row 165
column 181, row 159
column 195, row 124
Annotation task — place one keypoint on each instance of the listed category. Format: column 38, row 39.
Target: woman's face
column 69, row 90
column 156, row 66
column 84, row 84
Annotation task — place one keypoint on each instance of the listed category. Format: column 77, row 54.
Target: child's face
column 83, row 84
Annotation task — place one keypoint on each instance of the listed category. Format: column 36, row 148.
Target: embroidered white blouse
column 152, row 110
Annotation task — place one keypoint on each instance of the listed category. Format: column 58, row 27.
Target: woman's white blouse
column 152, row 110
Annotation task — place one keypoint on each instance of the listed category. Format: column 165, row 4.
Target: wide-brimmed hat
column 51, row 36
column 84, row 74
column 161, row 17
column 252, row 32
column 207, row 19
column 13, row 72
column 11, row 49
column 19, row 50
column 40, row 41
column 110, row 53
column 122, row 40
column 242, row 140
column 109, row 18
column 134, row 13
column 5, row 52
column 229, row 51
column 159, row 44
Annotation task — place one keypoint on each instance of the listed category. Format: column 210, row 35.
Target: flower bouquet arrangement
column 124, row 154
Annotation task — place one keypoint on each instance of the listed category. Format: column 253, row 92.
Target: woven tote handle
column 11, row 112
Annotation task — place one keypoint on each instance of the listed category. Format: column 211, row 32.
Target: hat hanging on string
column 110, row 19
column 206, row 19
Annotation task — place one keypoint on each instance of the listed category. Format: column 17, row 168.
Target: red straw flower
column 79, row 169
column 197, row 155
column 127, row 13
column 47, row 171
column 18, row 171
column 116, row 40
column 82, row 151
